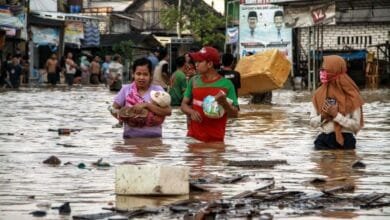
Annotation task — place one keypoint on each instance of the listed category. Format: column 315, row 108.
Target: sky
column 218, row 4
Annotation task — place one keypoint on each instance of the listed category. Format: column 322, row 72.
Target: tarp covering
column 347, row 55
column 91, row 34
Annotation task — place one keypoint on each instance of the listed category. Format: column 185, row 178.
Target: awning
column 124, row 17
column 108, row 40
column 36, row 20
column 346, row 54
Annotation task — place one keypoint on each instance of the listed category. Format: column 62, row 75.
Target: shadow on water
column 262, row 132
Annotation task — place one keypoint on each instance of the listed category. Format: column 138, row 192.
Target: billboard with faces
column 261, row 28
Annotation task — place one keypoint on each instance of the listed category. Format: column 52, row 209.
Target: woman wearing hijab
column 337, row 107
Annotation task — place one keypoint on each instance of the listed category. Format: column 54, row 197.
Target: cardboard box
column 263, row 72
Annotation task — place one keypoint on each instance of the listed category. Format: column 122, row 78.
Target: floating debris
column 179, row 208
column 6, row 134
column 197, row 188
column 64, row 209
column 52, row 160
column 257, row 163
column 231, row 180
column 64, row 131
column 67, row 145
column 94, row 216
column 81, row 166
column 319, row 180
column 100, row 163
column 358, row 165
column 337, row 189
column 370, row 200
column 38, row 213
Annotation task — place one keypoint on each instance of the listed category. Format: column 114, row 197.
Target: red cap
column 206, row 54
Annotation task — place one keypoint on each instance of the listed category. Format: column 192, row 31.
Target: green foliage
column 125, row 49
column 170, row 16
column 202, row 23
column 103, row 51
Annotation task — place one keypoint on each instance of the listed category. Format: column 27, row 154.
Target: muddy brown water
column 262, row 132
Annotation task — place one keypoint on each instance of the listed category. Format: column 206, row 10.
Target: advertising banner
column 74, row 31
column 11, row 21
column 262, row 28
column 45, row 36
column 232, row 35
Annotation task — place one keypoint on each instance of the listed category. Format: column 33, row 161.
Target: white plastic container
column 151, row 180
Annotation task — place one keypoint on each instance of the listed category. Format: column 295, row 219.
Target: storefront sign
column 310, row 15
column 45, row 36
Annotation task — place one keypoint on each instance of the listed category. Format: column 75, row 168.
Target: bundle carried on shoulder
column 263, row 72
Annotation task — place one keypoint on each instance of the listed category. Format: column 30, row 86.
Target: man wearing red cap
column 208, row 83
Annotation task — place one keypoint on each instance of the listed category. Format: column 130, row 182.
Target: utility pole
column 30, row 44
column 178, row 20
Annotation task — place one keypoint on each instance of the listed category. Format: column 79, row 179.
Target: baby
column 145, row 117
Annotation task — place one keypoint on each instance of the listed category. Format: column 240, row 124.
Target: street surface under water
column 279, row 131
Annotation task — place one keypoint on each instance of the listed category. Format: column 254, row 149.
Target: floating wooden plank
column 319, row 180
column 344, row 188
column 93, row 216
column 257, row 163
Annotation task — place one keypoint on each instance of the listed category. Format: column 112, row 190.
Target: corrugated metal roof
column 117, row 6
column 108, row 40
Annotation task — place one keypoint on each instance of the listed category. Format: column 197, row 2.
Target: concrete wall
column 355, row 36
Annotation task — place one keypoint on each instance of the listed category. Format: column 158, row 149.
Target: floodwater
column 262, row 132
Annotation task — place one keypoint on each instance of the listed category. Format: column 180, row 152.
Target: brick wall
column 356, row 36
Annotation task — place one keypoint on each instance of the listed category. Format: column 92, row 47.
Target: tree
column 202, row 23
column 125, row 49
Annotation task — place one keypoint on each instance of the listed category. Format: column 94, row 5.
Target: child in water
column 135, row 117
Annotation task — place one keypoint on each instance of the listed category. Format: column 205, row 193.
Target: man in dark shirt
column 228, row 72
column 3, row 69
column 14, row 70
